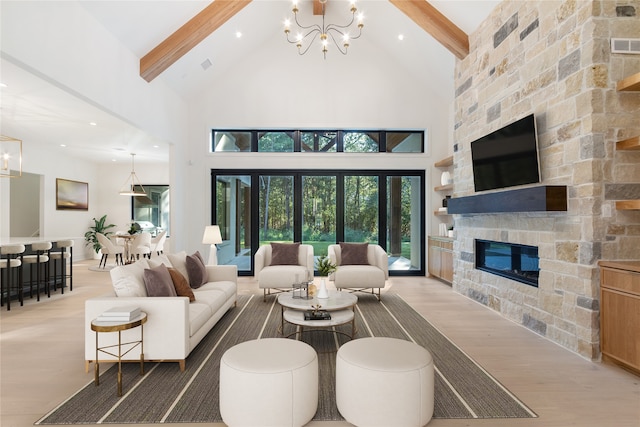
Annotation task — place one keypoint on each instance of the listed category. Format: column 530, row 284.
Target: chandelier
column 339, row 34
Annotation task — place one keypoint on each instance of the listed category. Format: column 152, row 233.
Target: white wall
column 287, row 91
column 105, row 181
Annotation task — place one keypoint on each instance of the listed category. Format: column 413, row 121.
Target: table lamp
column 212, row 237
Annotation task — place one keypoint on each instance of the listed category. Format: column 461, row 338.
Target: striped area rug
column 463, row 389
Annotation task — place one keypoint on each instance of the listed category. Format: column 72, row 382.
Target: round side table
column 118, row 326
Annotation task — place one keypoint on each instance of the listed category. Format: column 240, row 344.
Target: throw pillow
column 181, row 284
column 196, row 271
column 159, row 259
column 158, row 282
column 128, row 280
column 284, row 253
column 179, row 262
column 354, row 254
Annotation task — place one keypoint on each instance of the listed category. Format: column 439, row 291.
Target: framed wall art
column 72, row 195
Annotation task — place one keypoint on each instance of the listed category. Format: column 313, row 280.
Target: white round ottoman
column 384, row 382
column 269, row 382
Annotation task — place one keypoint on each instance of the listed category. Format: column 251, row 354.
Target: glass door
column 361, row 207
column 319, row 212
column 233, row 215
column 404, row 241
column 275, row 208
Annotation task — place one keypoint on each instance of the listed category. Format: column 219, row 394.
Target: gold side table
column 118, row 326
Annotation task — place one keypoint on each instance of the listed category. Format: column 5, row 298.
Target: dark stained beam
column 435, row 23
column 188, row 36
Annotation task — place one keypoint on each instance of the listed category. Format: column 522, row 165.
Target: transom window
column 318, row 141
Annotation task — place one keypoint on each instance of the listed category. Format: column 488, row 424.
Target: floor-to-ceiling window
column 320, row 208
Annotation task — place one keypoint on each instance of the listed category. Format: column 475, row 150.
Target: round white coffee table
column 341, row 306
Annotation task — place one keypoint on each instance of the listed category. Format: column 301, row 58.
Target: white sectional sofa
column 174, row 324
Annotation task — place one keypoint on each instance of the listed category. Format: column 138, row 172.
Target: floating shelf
column 545, row 198
column 441, row 213
column 444, row 163
column 629, row 144
column 443, row 187
column 631, row 83
column 628, row 205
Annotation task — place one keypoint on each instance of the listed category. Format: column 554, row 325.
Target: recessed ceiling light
column 238, row 34
column 400, row 37
column 63, row 145
column 156, row 146
column 93, row 123
column 113, row 160
column 3, row 85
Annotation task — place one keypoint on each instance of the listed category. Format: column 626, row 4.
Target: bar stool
column 62, row 255
column 13, row 260
column 39, row 260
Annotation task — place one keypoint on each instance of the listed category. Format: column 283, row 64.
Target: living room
column 347, row 97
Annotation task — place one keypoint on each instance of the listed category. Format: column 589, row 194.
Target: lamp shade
column 212, row 235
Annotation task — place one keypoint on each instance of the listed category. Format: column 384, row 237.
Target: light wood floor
column 42, row 361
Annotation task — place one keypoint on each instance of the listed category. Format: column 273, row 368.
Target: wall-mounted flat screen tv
column 506, row 157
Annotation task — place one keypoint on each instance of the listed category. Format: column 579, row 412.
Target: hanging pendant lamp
column 132, row 186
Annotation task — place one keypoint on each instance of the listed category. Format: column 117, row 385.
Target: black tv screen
column 507, row 156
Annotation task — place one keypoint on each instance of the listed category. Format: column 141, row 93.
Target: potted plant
column 325, row 268
column 98, row 227
column 134, row 228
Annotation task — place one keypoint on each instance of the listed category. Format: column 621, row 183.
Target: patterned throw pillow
column 284, row 253
column 354, row 254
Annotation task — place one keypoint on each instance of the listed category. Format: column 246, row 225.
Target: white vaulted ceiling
column 36, row 106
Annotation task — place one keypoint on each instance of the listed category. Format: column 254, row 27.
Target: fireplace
column 513, row 261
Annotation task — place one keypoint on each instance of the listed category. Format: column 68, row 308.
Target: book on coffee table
column 317, row 315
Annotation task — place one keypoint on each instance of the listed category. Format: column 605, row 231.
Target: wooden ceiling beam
column 188, row 36
column 317, row 7
column 435, row 23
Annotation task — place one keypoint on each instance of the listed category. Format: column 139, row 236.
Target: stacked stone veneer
column 553, row 59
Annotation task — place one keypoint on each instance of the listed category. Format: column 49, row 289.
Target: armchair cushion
column 158, row 282
column 284, row 253
column 354, row 253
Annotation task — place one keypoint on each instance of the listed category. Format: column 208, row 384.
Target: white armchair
column 372, row 273
column 281, row 277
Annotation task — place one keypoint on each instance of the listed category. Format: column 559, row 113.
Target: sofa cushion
column 359, row 276
column 199, row 314
column 229, row 288
column 128, row 279
column 158, row 282
column 196, row 270
column 212, row 298
column 179, row 262
column 284, row 253
column 181, row 284
column 354, row 254
column 281, row 276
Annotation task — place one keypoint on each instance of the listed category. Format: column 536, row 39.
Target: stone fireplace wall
column 553, row 59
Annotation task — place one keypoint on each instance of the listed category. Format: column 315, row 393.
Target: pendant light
column 132, row 186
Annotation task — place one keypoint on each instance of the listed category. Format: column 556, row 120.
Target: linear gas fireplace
column 516, row 262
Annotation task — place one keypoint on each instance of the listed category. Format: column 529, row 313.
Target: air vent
column 625, row 46
column 206, row 64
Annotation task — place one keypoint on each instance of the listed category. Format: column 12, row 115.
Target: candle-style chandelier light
column 339, row 34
